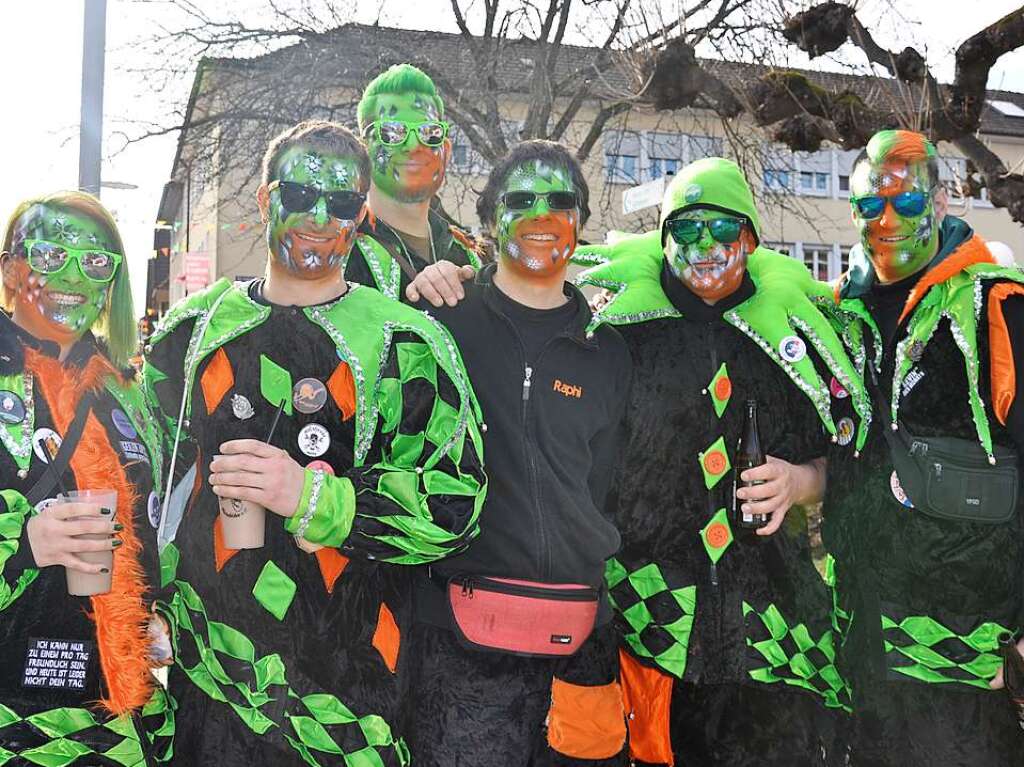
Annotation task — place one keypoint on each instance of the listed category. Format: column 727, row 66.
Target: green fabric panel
column 648, row 581
column 275, row 384
column 775, row 622
column 275, row 590
column 984, row 638
column 406, row 449
column 416, row 361
column 12, row 522
column 56, row 753
column 443, row 483
column 389, row 404
column 62, row 721
column 327, row 709
column 687, row 598
column 366, row 757
column 402, row 487
column 443, row 421
column 335, row 510
column 926, row 656
column 985, row 666
column 924, row 630
column 7, row 716
column 375, row 730
column 313, row 734
column 169, row 558
column 14, row 431
column 614, row 573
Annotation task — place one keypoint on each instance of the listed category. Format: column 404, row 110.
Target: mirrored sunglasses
column 687, row 231
column 909, row 204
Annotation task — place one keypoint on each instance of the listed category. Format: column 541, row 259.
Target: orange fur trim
column 120, row 616
column 387, row 638
column 974, row 251
column 332, row 564
column 1004, row 372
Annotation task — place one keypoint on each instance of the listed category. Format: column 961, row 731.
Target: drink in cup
column 243, row 523
column 82, row 584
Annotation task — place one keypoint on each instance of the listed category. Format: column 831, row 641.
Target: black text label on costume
column 57, row 664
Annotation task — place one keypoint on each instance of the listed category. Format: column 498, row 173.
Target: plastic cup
column 243, row 523
column 83, row 584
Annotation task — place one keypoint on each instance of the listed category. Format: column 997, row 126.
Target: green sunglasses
column 687, row 231
column 430, row 133
column 48, row 257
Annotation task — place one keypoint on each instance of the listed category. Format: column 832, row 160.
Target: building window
column 621, row 168
column 814, row 182
column 816, row 258
column 785, row 248
column 844, row 259
column 776, row 179
column 663, row 166
column 844, row 184
column 460, row 155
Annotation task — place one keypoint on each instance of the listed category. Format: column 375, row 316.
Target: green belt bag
column 951, row 478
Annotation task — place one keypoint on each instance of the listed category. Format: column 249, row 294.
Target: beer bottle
column 1013, row 672
column 749, row 454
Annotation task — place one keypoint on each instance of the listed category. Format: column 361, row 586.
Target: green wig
column 116, row 322
column 398, row 79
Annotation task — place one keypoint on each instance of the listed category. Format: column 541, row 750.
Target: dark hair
column 548, row 152
column 323, row 136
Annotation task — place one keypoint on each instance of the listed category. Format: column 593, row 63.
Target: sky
column 41, row 52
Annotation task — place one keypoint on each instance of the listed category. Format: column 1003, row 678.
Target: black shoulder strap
column 50, row 478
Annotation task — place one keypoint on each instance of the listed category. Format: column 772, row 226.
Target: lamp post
column 91, row 128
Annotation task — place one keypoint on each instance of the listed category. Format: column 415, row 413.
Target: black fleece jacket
column 550, row 453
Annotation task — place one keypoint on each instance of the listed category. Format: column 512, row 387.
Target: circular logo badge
column 309, row 395
column 723, row 388
column 233, row 508
column 241, row 407
column 314, row 440
column 792, row 348
column 898, row 492
column 154, row 509
column 693, row 192
column 845, row 431
column 321, row 466
column 12, row 409
column 123, row 424
column 48, row 438
column 837, row 389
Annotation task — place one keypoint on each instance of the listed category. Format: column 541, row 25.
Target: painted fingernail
column 105, row 511
column 118, row 527
column 117, row 542
column 104, row 569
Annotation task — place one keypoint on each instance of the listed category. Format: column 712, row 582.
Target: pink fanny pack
column 522, row 617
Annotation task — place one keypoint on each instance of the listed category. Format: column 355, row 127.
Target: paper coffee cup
column 82, row 584
column 243, row 523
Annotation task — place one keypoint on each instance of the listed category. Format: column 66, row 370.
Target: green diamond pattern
column 921, row 648
column 275, row 590
column 794, row 656
column 660, row 618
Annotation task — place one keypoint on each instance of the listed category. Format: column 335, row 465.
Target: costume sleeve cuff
column 326, row 509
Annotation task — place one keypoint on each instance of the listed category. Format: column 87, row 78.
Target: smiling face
column 712, row 270
column 408, row 171
column 63, row 305
column 898, row 245
column 313, row 243
column 537, row 241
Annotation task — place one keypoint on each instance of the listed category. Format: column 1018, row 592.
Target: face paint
column 897, row 245
column 539, row 241
column 63, row 305
column 409, row 172
column 311, row 244
column 712, row 270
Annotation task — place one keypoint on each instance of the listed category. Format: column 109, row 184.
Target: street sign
column 197, row 271
column 643, row 196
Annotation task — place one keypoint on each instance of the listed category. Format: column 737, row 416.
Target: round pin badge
column 123, row 424
column 48, row 437
column 837, row 389
column 154, row 509
column 693, row 192
column 241, row 407
column 314, row 440
column 309, row 395
column 323, row 466
column 845, row 431
column 12, row 409
column 792, row 348
column 897, row 491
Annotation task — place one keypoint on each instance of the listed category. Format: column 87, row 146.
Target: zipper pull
column 714, row 575
column 526, row 383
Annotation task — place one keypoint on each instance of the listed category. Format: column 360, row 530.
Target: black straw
column 273, row 425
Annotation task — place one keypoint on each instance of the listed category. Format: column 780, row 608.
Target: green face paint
column 712, row 270
column 409, row 172
column 63, row 305
column 898, row 246
column 536, row 241
column 310, row 243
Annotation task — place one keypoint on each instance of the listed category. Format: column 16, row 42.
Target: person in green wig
column 346, row 419
column 401, row 118
column 76, row 686
column 729, row 654
column 926, row 526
